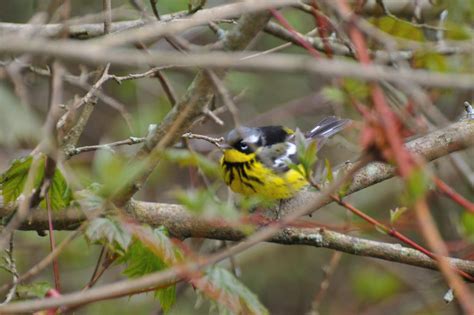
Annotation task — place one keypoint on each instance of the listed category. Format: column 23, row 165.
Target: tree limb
column 91, row 53
column 182, row 224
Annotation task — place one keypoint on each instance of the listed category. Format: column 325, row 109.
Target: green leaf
column 12, row 181
column 334, row 94
column 115, row 171
column 17, row 122
column 329, row 175
column 460, row 11
column 467, row 221
column 195, row 5
column 188, row 158
column 396, row 213
column 35, row 289
column 229, row 294
column 356, row 89
column 307, row 154
column 109, row 232
column 431, row 61
column 398, row 28
column 89, row 199
column 59, row 192
column 381, row 230
column 456, row 31
column 206, row 204
column 372, row 285
column 151, row 253
column 416, row 186
column 167, row 297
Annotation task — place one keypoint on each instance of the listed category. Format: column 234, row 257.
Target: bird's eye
column 244, row 146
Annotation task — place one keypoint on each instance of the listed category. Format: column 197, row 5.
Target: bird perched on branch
column 256, row 161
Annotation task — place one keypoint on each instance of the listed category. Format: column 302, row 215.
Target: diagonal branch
column 191, row 107
column 455, row 137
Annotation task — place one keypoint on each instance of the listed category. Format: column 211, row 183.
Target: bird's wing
column 278, row 156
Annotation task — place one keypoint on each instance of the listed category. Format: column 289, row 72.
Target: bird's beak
column 225, row 146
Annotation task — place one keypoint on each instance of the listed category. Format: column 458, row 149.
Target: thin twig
column 285, row 63
column 24, row 203
column 57, row 280
column 147, row 74
column 45, row 262
column 214, row 141
column 72, row 137
column 178, row 271
column 328, row 270
column 387, row 12
column 10, row 266
column 453, row 195
column 106, row 146
column 224, row 94
column 406, row 164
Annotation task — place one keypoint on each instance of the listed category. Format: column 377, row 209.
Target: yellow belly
column 250, row 177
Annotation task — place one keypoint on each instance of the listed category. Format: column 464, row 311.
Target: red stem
column 391, row 231
column 301, row 40
column 322, row 23
column 451, row 193
column 57, row 280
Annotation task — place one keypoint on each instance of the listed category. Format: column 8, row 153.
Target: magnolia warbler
column 256, row 160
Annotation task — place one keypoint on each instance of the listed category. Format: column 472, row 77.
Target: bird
column 256, row 160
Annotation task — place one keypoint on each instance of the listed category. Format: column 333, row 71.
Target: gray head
column 243, row 138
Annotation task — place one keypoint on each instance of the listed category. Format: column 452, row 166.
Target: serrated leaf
column 89, row 199
column 159, row 243
column 152, row 251
column 59, row 192
column 35, row 289
column 228, row 293
column 12, row 181
column 109, row 232
column 396, row 213
column 167, row 297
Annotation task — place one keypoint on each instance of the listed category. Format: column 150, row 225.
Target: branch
column 96, row 54
column 181, row 224
column 455, row 137
column 191, row 107
column 274, row 232
column 184, row 221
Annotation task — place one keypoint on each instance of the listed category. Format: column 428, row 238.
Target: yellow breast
column 245, row 175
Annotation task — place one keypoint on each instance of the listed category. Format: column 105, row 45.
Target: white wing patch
column 284, row 159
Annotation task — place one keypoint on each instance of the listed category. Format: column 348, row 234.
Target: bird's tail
column 327, row 127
